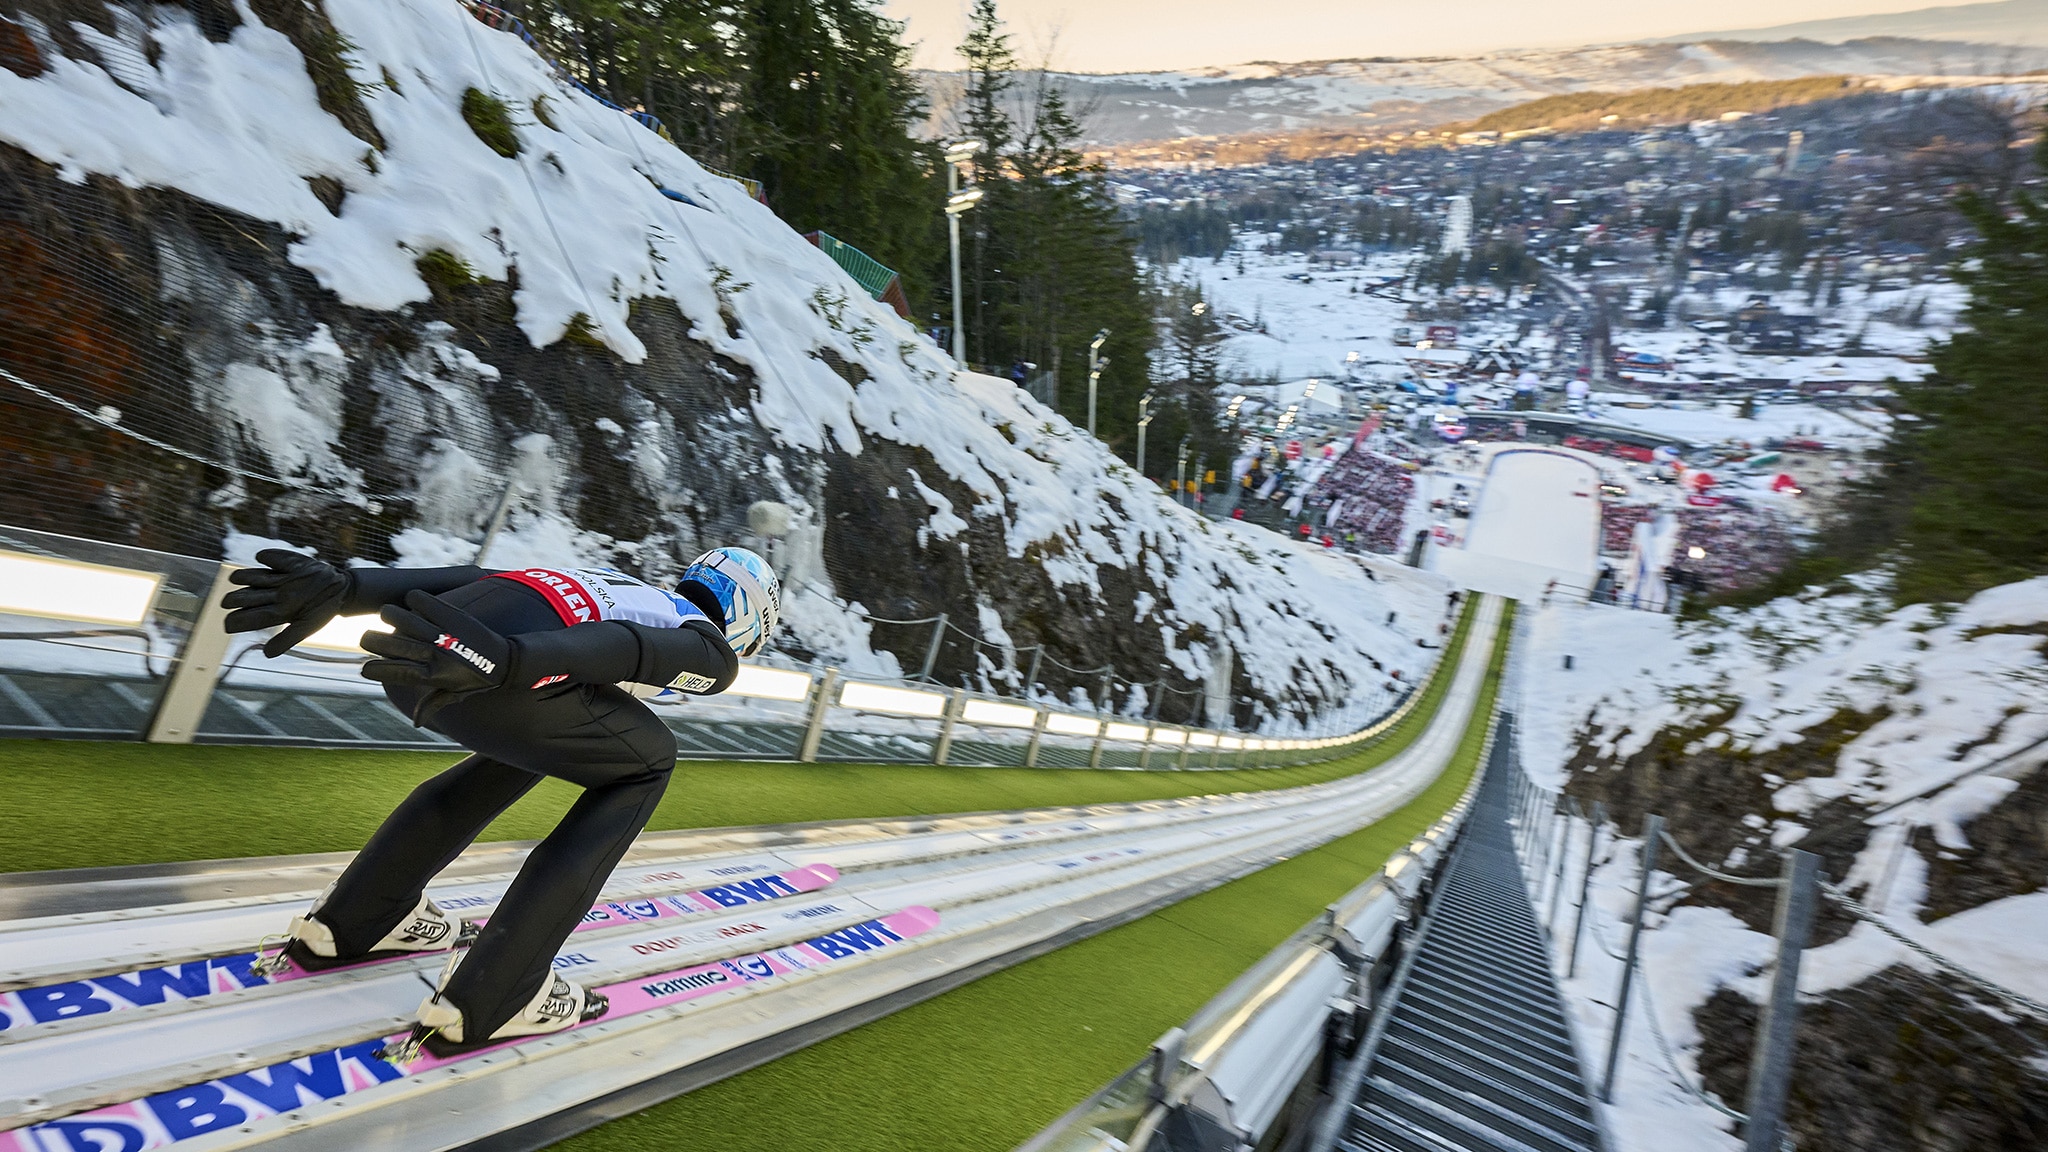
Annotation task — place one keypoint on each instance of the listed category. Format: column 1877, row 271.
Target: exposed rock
column 2007, row 856
column 1705, row 789
column 195, row 326
column 18, row 53
column 1901, row 1062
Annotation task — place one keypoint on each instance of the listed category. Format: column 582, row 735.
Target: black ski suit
column 585, row 729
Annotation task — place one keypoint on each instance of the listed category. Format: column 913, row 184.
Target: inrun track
column 1000, row 885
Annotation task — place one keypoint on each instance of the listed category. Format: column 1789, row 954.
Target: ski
column 212, row 975
column 167, row 1118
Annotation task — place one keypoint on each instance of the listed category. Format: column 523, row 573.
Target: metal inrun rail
column 1474, row 1051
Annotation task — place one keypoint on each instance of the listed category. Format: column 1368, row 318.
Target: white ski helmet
column 746, row 589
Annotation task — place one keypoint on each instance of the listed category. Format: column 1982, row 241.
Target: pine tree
column 1052, row 262
column 1191, row 369
column 830, row 106
column 991, row 71
column 991, row 74
column 678, row 60
column 1971, row 466
column 1194, row 341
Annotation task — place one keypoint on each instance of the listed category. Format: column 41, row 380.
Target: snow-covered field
column 1961, row 688
column 581, row 215
column 1314, row 324
column 1716, row 422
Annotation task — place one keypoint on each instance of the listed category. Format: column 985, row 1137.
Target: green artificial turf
column 987, row 1065
column 75, row 804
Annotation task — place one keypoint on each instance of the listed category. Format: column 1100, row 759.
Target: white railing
column 85, row 625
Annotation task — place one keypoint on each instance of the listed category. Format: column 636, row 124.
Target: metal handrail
column 1179, row 1074
column 1160, row 745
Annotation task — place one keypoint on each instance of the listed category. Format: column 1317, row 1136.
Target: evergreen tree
column 678, row 60
column 830, row 106
column 1969, row 470
column 1051, row 262
column 1189, row 371
column 815, row 100
column 1959, row 500
column 991, row 74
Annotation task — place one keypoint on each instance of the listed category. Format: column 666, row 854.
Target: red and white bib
column 580, row 595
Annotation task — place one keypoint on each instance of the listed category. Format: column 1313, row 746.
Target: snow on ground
column 1314, row 325
column 582, row 216
column 1962, row 686
column 1718, row 422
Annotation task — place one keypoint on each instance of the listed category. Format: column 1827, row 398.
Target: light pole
column 1180, row 480
column 957, row 202
column 1095, row 366
column 1144, row 419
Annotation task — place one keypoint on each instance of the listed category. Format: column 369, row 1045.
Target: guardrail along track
column 1474, row 1051
column 192, row 1056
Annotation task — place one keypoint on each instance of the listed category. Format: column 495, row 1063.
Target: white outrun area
column 1537, row 520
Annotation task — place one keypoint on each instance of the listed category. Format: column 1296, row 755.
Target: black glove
column 439, row 648
column 292, row 589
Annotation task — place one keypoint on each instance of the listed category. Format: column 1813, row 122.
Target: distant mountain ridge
column 2006, row 22
column 1385, row 95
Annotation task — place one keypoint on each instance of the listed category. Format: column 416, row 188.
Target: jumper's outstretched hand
column 291, row 589
column 438, row 648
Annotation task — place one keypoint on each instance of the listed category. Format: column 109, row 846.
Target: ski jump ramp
column 1537, row 520
column 131, row 1017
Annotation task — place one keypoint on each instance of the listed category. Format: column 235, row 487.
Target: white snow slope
column 580, row 214
column 1963, row 686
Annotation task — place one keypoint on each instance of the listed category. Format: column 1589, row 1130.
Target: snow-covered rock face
column 637, row 370
column 1904, row 746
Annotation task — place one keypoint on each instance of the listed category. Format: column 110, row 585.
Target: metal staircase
column 1475, row 1052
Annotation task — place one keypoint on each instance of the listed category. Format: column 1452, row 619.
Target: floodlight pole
column 1143, row 419
column 953, row 233
column 1095, row 365
column 957, row 203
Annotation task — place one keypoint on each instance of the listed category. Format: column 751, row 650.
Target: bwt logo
column 475, row 657
column 741, row 892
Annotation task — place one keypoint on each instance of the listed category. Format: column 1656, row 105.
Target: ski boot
column 311, row 943
column 560, row 1004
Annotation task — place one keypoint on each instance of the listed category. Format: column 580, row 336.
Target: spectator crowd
column 1363, row 499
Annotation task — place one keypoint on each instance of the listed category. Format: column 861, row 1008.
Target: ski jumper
column 601, row 629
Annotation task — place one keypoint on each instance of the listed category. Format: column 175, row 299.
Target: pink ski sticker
column 232, row 1101
column 223, row 974
column 684, row 984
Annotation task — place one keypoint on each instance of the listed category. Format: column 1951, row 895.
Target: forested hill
column 1661, row 106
